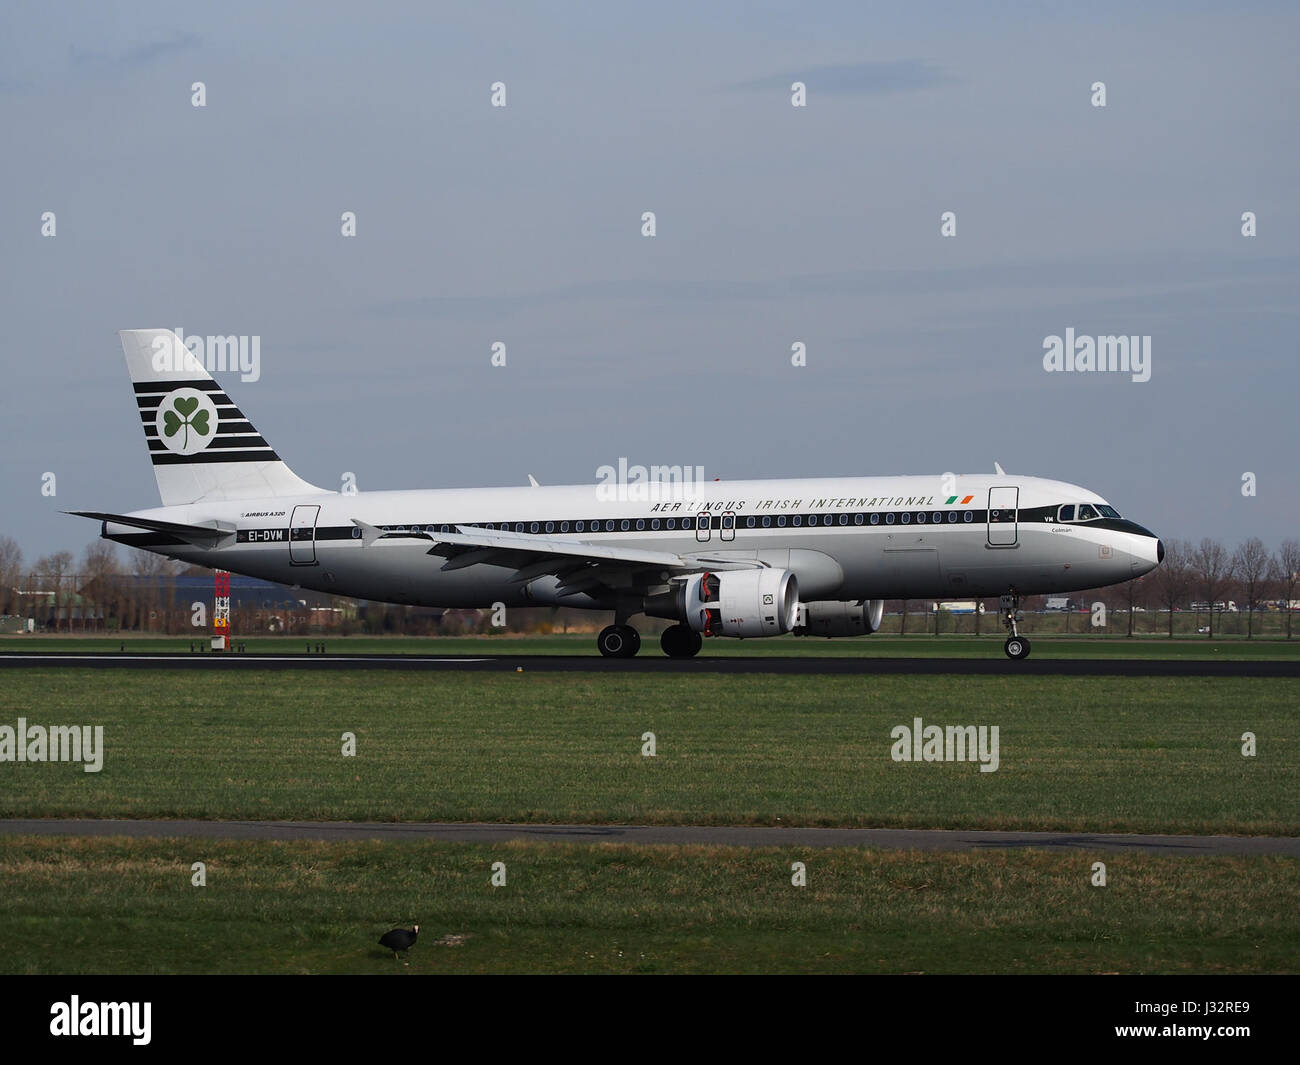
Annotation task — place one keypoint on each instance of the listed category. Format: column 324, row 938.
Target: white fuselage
column 911, row 537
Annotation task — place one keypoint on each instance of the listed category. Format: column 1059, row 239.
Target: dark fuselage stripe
column 163, row 387
column 221, row 440
column 816, row 521
column 208, row 455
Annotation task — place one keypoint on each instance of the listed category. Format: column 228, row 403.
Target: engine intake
column 740, row 603
column 832, row 618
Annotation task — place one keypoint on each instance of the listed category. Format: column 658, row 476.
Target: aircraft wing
column 580, row 565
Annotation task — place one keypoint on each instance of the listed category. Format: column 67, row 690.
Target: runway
column 994, row 665
column 738, row 836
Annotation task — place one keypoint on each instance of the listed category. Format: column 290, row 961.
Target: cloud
column 873, row 78
column 1071, row 282
column 138, row 55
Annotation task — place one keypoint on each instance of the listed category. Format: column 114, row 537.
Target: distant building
column 154, row 602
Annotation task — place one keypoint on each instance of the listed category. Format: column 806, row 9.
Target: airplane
column 742, row 559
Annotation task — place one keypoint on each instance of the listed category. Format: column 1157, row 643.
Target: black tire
column 610, row 641
column 633, row 641
column 1017, row 648
column 681, row 641
column 619, row 641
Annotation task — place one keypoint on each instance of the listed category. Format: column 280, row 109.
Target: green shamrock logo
column 184, row 417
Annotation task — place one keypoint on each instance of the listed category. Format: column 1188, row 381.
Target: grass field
column 1105, row 754
column 988, row 645
column 127, row 906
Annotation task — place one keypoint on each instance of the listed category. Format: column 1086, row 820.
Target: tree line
column 1252, row 576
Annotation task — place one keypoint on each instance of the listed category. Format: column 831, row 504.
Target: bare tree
column 1212, row 569
column 1134, row 593
column 1173, row 578
column 53, row 570
column 155, row 586
column 100, row 569
column 11, row 570
column 1252, row 564
column 1288, row 573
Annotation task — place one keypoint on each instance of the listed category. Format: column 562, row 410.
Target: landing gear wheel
column 1016, row 647
column 681, row 641
column 619, row 641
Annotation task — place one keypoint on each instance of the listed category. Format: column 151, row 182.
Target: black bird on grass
column 399, row 939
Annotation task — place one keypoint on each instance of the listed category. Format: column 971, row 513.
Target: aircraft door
column 302, row 535
column 1003, row 515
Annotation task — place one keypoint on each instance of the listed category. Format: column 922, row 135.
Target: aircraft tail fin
column 202, row 446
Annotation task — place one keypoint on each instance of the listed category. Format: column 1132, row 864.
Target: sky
column 774, row 225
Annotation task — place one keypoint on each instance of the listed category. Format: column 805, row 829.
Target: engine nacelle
column 833, row 618
column 741, row 603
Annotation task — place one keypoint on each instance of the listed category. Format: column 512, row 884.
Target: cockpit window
column 1107, row 511
column 1067, row 513
column 1086, row 512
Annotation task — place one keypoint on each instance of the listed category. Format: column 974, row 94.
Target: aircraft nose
column 1147, row 550
column 1146, row 554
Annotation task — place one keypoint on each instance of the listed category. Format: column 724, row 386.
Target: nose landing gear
column 1016, row 646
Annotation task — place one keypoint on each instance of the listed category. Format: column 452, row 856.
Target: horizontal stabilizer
column 209, row 534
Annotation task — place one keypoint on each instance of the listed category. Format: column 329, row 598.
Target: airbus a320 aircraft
column 734, row 559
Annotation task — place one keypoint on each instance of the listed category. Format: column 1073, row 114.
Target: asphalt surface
column 994, row 665
column 740, row 836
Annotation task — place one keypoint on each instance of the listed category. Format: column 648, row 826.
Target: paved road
column 744, row 836
column 994, row 665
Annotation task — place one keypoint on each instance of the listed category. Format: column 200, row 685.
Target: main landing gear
column 623, row 641
column 681, row 641
column 1017, row 646
column 619, row 641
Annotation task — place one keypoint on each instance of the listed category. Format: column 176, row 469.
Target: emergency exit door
column 302, row 535
column 1003, row 516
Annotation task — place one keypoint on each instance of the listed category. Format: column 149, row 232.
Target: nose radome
column 1146, row 554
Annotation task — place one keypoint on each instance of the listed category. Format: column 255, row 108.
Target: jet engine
column 741, row 603
column 833, row 618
